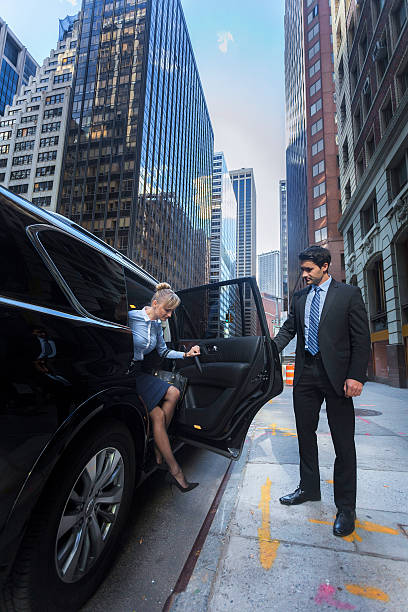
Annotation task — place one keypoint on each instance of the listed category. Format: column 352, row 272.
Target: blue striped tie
column 313, row 337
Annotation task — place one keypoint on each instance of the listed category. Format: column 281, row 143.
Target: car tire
column 74, row 532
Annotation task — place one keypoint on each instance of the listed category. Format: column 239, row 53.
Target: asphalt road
column 161, row 532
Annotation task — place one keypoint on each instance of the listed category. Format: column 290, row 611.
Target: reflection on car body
column 74, row 435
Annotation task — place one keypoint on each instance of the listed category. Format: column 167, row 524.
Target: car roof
column 57, row 220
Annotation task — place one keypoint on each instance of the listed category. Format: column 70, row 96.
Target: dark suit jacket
column 344, row 336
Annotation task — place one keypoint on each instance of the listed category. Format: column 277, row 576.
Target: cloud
column 223, row 39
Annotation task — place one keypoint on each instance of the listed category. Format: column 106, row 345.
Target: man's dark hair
column 318, row 255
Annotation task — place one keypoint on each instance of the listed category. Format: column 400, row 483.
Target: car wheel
column 73, row 535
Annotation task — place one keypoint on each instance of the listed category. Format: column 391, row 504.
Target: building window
column 353, row 77
column 47, row 156
column 4, row 148
column 57, row 99
column 399, row 175
column 368, row 216
column 28, row 131
column 317, row 85
column 5, row 135
column 399, row 18
column 51, row 127
column 313, row 13
column 370, row 146
column 341, row 72
column 25, row 145
column 52, row 112
column 319, row 212
column 32, row 108
column 314, row 68
column 45, row 171
column 345, row 152
column 18, row 189
column 376, row 294
column 22, row 160
column 29, row 119
column 357, row 123
column 42, row 201
column 319, row 189
column 313, row 32
column 350, row 240
column 317, row 147
column 20, row 174
column 367, row 97
column 347, row 192
column 51, row 141
column 386, row 115
column 43, row 186
column 317, row 126
column 359, row 167
column 321, row 234
column 313, row 50
column 363, row 47
column 315, row 107
column 318, row 168
column 68, row 60
column 7, row 122
column 343, row 112
column 63, row 78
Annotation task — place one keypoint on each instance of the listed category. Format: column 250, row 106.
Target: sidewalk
column 260, row 555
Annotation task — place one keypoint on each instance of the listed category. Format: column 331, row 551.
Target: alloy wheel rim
column 89, row 515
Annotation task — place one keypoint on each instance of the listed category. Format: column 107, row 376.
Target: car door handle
column 211, row 348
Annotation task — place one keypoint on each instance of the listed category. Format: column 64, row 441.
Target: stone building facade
column 371, row 67
column 33, row 128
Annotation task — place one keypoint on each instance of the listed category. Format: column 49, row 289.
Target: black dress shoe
column 344, row 523
column 298, row 497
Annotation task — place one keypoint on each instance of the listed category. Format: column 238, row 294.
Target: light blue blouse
column 147, row 336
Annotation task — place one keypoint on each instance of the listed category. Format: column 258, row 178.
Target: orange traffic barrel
column 290, row 372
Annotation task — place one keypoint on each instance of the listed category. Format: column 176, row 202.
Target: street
column 160, row 535
column 262, row 555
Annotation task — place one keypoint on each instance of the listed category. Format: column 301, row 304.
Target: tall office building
column 323, row 194
column 33, row 128
column 296, row 174
column 269, row 273
column 16, row 65
column 223, row 223
column 243, row 183
column 371, row 68
column 223, row 249
column 283, row 210
column 139, row 152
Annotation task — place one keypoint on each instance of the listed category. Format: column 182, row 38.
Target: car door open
column 240, row 363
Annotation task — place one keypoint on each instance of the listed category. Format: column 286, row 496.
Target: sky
column 239, row 50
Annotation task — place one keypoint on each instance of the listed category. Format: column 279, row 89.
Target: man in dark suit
column 333, row 347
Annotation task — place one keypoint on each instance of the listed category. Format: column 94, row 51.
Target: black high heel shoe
column 173, row 481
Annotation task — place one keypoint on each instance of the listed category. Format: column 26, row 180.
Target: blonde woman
column 160, row 398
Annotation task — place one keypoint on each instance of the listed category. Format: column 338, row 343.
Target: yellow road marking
column 267, row 547
column 367, row 591
column 365, row 525
column 330, row 481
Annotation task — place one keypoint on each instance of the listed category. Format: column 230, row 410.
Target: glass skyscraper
column 296, row 171
column 138, row 163
column 244, row 188
column 16, row 65
column 223, row 248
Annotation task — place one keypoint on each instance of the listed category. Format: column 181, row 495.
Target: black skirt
column 151, row 388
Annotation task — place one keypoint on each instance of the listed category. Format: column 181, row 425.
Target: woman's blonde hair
column 164, row 293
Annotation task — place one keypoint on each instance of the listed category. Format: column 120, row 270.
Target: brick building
column 371, row 68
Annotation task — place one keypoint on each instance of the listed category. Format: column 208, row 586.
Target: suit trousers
column 312, row 388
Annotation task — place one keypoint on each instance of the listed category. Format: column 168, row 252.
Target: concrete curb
column 199, row 589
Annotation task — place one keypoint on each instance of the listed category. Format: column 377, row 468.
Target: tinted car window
column 23, row 273
column 225, row 311
column 96, row 281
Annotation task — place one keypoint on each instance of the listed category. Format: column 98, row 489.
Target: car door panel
column 239, row 373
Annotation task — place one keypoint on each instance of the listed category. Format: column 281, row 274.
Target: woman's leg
column 163, row 444
column 168, row 406
column 169, row 403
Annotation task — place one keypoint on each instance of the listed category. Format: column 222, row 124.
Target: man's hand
column 352, row 388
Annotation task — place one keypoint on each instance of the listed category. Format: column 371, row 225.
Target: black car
column 75, row 438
